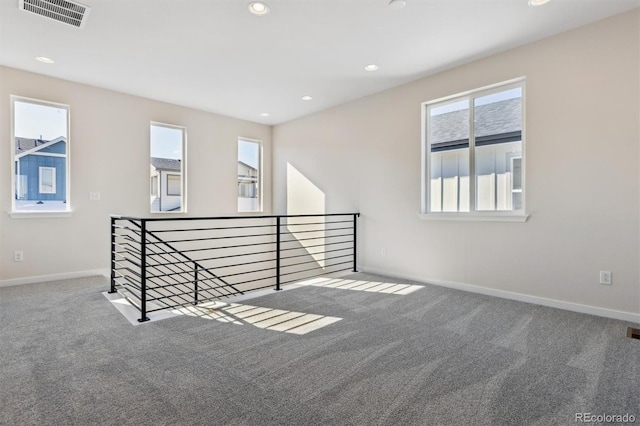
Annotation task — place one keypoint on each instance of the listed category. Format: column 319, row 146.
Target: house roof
column 505, row 117
column 168, row 164
column 245, row 164
column 26, row 146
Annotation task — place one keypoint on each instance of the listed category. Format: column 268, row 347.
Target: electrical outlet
column 383, row 251
column 18, row 256
column 605, row 277
column 94, row 196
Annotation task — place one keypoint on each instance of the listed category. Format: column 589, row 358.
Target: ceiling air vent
column 64, row 11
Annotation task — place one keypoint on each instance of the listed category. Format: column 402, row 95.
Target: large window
column 167, row 171
column 249, row 175
column 40, row 160
column 473, row 152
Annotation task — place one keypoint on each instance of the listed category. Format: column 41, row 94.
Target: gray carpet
column 435, row 356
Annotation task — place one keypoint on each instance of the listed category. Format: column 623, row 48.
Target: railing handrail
column 167, row 219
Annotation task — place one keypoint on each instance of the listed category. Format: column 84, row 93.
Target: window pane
column 449, row 148
column 249, row 176
column 154, row 186
column 47, row 180
column 498, row 141
column 166, row 168
column 40, row 156
column 173, row 184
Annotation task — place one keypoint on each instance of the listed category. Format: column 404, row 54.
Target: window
column 47, row 179
column 249, row 175
column 40, row 161
column 473, row 153
column 174, row 183
column 155, row 189
column 167, row 171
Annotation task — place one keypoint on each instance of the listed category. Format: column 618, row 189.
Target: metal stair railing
column 156, row 267
column 173, row 257
column 166, row 273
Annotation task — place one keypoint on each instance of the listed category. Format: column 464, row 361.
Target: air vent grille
column 64, row 11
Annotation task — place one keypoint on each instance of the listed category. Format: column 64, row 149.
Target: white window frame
column 41, row 188
column 155, row 185
column 260, row 173
column 170, row 177
column 472, row 214
column 26, row 214
column 183, row 171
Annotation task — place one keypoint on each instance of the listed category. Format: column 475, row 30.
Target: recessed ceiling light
column 258, row 8
column 265, row 114
column 397, row 4
column 307, row 98
column 371, row 67
column 538, row 2
column 44, row 59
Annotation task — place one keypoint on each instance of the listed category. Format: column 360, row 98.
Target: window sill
column 476, row 217
column 38, row 215
column 168, row 212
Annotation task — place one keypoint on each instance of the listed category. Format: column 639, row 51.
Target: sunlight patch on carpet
column 370, row 286
column 265, row 318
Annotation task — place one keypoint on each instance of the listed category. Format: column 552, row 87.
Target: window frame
column 259, row 177
column 155, row 186
column 473, row 214
column 22, row 214
column 183, row 172
column 172, row 176
column 41, row 169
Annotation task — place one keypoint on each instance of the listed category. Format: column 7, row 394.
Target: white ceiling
column 214, row 56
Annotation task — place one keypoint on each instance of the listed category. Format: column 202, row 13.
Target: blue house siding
column 29, row 167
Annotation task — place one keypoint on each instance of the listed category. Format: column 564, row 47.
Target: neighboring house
column 498, row 158
column 166, row 184
column 247, row 181
column 41, row 169
column 247, row 187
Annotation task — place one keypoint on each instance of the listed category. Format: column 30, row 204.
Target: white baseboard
column 53, row 277
column 520, row 297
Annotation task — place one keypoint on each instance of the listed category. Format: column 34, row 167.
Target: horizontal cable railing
column 163, row 263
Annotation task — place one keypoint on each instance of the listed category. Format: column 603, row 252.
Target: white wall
column 582, row 163
column 109, row 153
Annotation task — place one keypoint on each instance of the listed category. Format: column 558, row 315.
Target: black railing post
column 143, row 271
column 355, row 242
column 113, row 255
column 195, row 283
column 278, row 253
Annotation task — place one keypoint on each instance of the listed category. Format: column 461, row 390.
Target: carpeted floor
column 433, row 356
